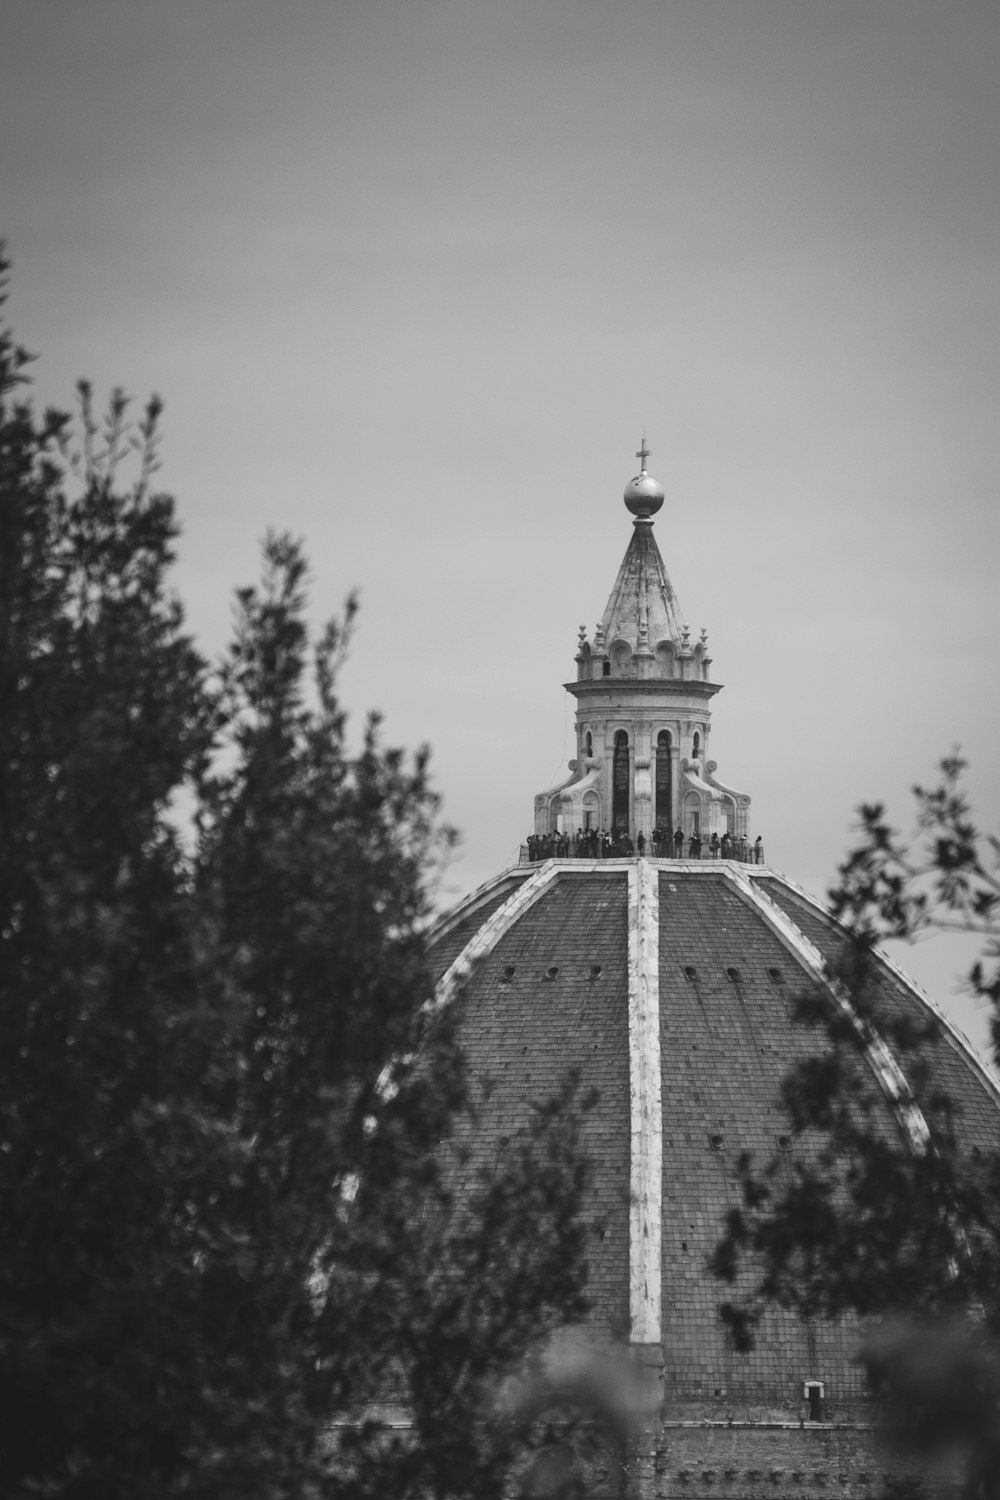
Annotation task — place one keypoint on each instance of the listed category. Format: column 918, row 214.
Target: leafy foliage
column 900, row 1226
column 227, row 1101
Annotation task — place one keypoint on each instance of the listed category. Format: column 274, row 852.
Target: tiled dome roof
column 669, row 985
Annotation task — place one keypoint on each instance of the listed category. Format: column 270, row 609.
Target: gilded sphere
column 644, row 495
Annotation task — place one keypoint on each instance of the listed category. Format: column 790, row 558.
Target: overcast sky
column 412, row 277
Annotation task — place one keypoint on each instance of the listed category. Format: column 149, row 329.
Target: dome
column 643, row 495
column 670, row 986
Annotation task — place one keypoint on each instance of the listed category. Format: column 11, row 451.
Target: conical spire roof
column 642, row 608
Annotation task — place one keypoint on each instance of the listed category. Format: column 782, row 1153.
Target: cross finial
column 643, row 453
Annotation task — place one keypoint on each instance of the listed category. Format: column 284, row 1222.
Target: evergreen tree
column 230, row 1112
column 905, row 1234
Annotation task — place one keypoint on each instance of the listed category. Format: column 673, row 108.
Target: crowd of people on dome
column 602, row 843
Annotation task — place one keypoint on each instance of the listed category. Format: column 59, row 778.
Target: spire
column 642, row 608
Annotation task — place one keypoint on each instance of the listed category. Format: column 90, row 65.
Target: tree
column 230, row 1112
column 906, row 1235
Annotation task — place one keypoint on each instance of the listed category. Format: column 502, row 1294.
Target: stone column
column 642, row 784
column 675, row 783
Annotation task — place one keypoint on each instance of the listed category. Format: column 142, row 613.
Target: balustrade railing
column 599, row 843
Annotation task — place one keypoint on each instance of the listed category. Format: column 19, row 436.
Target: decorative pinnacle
column 644, row 452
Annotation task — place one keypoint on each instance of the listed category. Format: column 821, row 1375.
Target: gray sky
column 412, row 278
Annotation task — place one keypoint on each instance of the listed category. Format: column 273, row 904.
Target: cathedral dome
column 669, row 985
